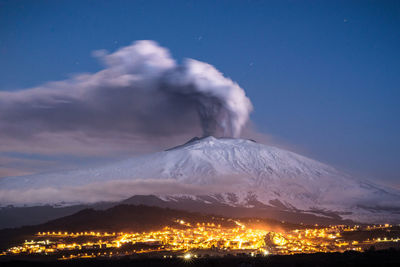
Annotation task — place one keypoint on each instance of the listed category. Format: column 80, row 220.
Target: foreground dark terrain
column 390, row 257
column 136, row 232
column 118, row 218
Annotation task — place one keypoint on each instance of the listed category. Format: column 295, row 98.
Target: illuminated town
column 207, row 239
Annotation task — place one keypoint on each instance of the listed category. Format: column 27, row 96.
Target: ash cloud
column 115, row 190
column 142, row 93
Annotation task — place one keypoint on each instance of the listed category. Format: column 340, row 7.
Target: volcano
column 230, row 172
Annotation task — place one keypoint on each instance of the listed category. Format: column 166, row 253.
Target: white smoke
column 141, row 91
column 221, row 103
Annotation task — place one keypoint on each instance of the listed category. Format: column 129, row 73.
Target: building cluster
column 201, row 237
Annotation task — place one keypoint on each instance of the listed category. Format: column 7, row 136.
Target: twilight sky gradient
column 323, row 76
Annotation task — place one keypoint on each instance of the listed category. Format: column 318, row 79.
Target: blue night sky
column 323, row 76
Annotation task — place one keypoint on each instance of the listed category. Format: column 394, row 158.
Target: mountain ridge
column 240, row 172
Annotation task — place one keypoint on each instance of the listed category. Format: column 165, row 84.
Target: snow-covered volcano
column 236, row 172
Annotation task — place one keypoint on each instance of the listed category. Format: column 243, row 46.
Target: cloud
column 141, row 92
column 115, row 190
column 141, row 101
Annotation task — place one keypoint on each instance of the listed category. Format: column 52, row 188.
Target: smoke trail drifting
column 141, row 90
column 221, row 103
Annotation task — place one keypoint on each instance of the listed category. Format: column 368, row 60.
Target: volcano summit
column 232, row 172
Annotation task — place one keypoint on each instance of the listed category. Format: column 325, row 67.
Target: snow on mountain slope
column 241, row 170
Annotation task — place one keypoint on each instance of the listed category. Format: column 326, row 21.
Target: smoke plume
column 141, row 92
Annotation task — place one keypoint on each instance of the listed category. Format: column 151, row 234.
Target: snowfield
column 236, row 172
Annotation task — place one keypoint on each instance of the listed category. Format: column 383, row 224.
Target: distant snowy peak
column 240, row 172
column 255, row 163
